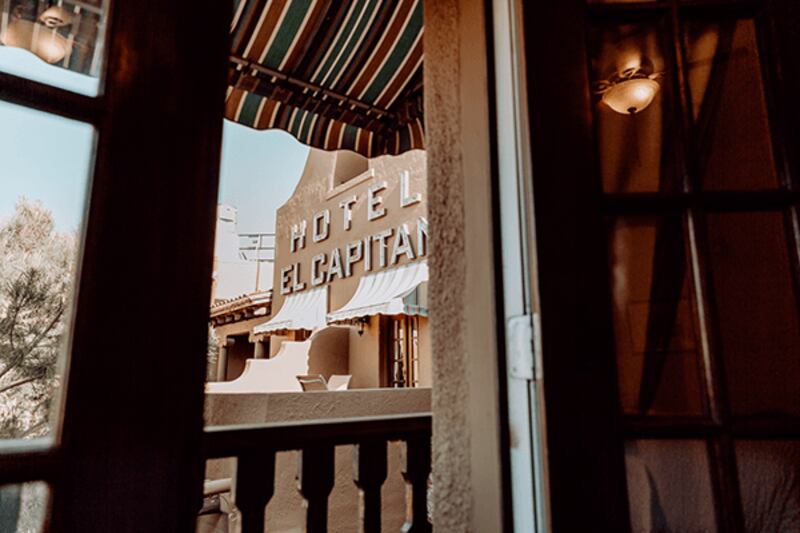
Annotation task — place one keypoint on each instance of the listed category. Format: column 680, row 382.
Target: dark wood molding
column 586, row 462
column 132, row 429
column 28, row 460
column 49, row 99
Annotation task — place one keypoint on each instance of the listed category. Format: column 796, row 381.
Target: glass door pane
column 46, row 162
column 732, row 137
column 657, row 336
column 703, row 284
column 635, row 135
column 23, row 507
column 756, row 303
column 58, row 43
column 669, row 486
column 769, row 480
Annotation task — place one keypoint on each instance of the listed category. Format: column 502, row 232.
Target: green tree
column 36, row 265
column 212, row 354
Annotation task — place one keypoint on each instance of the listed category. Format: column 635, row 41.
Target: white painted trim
column 529, row 490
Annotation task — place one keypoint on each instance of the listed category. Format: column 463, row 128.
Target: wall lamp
column 362, row 325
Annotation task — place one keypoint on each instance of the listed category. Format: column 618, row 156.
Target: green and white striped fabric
column 336, row 74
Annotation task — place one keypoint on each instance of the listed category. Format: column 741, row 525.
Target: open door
column 520, row 312
column 664, row 176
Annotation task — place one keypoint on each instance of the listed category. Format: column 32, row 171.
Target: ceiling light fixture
column 629, row 91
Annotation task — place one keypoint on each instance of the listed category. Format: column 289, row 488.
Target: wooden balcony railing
column 255, row 447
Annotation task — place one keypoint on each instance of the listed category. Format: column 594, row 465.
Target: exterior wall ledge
column 350, row 184
column 225, row 409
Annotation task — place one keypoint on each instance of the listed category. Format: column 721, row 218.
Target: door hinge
column 523, row 338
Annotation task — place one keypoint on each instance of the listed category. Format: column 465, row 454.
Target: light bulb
column 631, row 96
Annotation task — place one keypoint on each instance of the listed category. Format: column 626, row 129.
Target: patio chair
column 312, row 382
column 339, row 382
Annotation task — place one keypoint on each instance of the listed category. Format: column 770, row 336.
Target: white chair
column 312, row 382
column 339, row 382
column 316, row 382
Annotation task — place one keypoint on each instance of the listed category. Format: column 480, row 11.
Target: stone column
column 222, row 358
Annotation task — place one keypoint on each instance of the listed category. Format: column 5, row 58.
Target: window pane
column 655, row 322
column 732, row 135
column 757, row 309
column 46, row 162
column 669, row 486
column 23, row 508
column 320, row 268
column 769, row 480
column 630, row 72
column 59, row 44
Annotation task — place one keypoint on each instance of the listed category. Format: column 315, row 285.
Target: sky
column 259, row 172
column 48, row 158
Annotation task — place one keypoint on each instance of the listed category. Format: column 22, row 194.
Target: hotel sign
column 407, row 240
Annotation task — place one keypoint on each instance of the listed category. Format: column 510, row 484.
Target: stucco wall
column 275, row 342
column 446, row 215
column 466, row 441
column 365, row 354
column 314, row 193
column 329, row 351
column 223, row 409
column 425, row 359
column 285, row 512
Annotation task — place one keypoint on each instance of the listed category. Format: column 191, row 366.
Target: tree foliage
column 36, row 265
column 212, row 354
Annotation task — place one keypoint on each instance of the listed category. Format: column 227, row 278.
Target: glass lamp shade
column 631, row 96
column 45, row 42
column 55, row 17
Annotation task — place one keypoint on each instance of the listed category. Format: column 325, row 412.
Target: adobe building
column 241, row 297
column 350, row 278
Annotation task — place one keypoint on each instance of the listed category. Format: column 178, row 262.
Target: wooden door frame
column 585, row 455
column 130, row 452
column 585, row 439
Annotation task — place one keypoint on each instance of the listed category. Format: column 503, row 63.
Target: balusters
column 256, row 448
column 416, row 469
column 255, row 484
column 315, row 481
column 369, row 473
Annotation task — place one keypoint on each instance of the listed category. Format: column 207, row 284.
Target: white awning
column 304, row 310
column 397, row 291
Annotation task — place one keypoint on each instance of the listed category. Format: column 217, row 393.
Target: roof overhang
column 336, row 75
column 244, row 306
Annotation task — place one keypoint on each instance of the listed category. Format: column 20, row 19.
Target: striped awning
column 396, row 291
column 344, row 74
column 300, row 311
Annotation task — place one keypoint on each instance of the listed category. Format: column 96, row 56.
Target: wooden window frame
column 718, row 428
column 586, row 431
column 129, row 455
